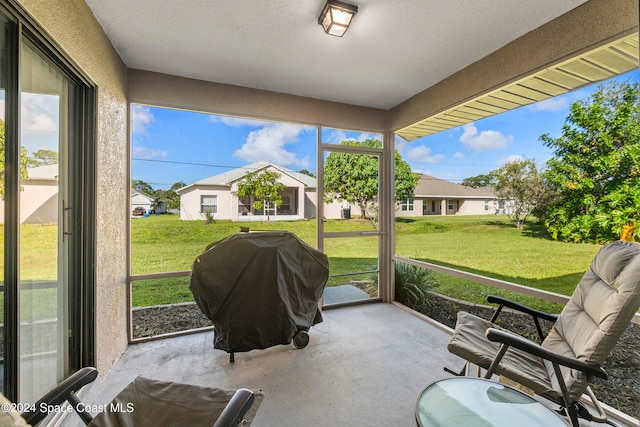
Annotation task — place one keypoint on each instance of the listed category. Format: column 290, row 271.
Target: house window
column 433, row 206
column 407, row 205
column 209, row 204
column 285, row 207
column 450, row 205
column 486, row 205
column 244, row 205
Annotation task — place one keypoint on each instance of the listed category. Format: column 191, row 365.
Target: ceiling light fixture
column 336, row 17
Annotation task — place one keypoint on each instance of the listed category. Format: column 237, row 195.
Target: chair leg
column 573, row 416
column 496, row 361
column 462, row 373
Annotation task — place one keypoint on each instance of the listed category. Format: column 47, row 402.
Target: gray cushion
column 601, row 307
column 145, row 402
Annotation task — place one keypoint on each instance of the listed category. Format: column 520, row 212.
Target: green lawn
column 486, row 245
column 491, row 246
column 38, row 264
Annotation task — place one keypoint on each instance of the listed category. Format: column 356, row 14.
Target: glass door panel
column 44, row 129
column 350, row 232
column 351, row 192
column 353, row 269
column 5, row 26
column 351, row 185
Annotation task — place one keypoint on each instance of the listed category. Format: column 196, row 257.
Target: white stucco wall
column 228, row 202
column 38, row 202
column 460, row 207
column 190, row 202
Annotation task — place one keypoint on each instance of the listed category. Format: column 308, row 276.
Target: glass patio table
column 469, row 401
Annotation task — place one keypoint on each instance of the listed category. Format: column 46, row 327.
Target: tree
column 171, row 197
column 353, row 177
column 480, row 181
column 596, row 168
column 44, row 157
column 522, row 187
column 307, row 172
column 24, row 161
column 140, row 185
column 264, row 186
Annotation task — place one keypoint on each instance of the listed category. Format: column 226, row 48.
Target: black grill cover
column 259, row 289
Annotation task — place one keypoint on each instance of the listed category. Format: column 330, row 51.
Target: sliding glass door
column 47, row 213
column 7, row 27
column 46, row 98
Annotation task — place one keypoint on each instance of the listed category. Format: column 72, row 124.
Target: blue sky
column 172, row 145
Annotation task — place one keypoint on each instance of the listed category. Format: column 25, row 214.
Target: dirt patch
column 152, row 321
column 620, row 391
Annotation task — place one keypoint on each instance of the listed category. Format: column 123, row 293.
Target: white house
column 38, row 197
column 216, row 195
column 434, row 196
column 142, row 200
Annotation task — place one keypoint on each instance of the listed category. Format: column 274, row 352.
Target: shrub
column 413, row 284
column 208, row 218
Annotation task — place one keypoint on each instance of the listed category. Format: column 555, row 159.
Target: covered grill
column 260, row 289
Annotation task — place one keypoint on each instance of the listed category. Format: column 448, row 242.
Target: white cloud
column 238, row 121
column 400, row 143
column 551, row 104
column 364, row 136
column 40, row 113
column 487, row 140
column 422, row 154
column 421, row 170
column 268, row 144
column 334, row 136
column 458, row 155
column 508, row 159
column 147, row 153
column 558, row 103
column 141, row 118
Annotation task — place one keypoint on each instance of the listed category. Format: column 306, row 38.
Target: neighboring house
column 435, row 196
column 38, row 197
column 145, row 201
column 216, row 195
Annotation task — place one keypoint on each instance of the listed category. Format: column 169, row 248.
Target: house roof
column 229, row 177
column 135, row 192
column 429, row 186
column 392, row 51
column 612, row 59
column 43, row 173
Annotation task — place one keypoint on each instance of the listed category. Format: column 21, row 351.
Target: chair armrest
column 236, row 408
column 494, row 299
column 531, row 347
column 61, row 393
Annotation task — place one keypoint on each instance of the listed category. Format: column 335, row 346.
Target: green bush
column 413, row 284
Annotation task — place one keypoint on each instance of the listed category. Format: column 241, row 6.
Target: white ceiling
column 393, row 50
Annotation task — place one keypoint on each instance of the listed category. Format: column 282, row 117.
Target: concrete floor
column 364, row 366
